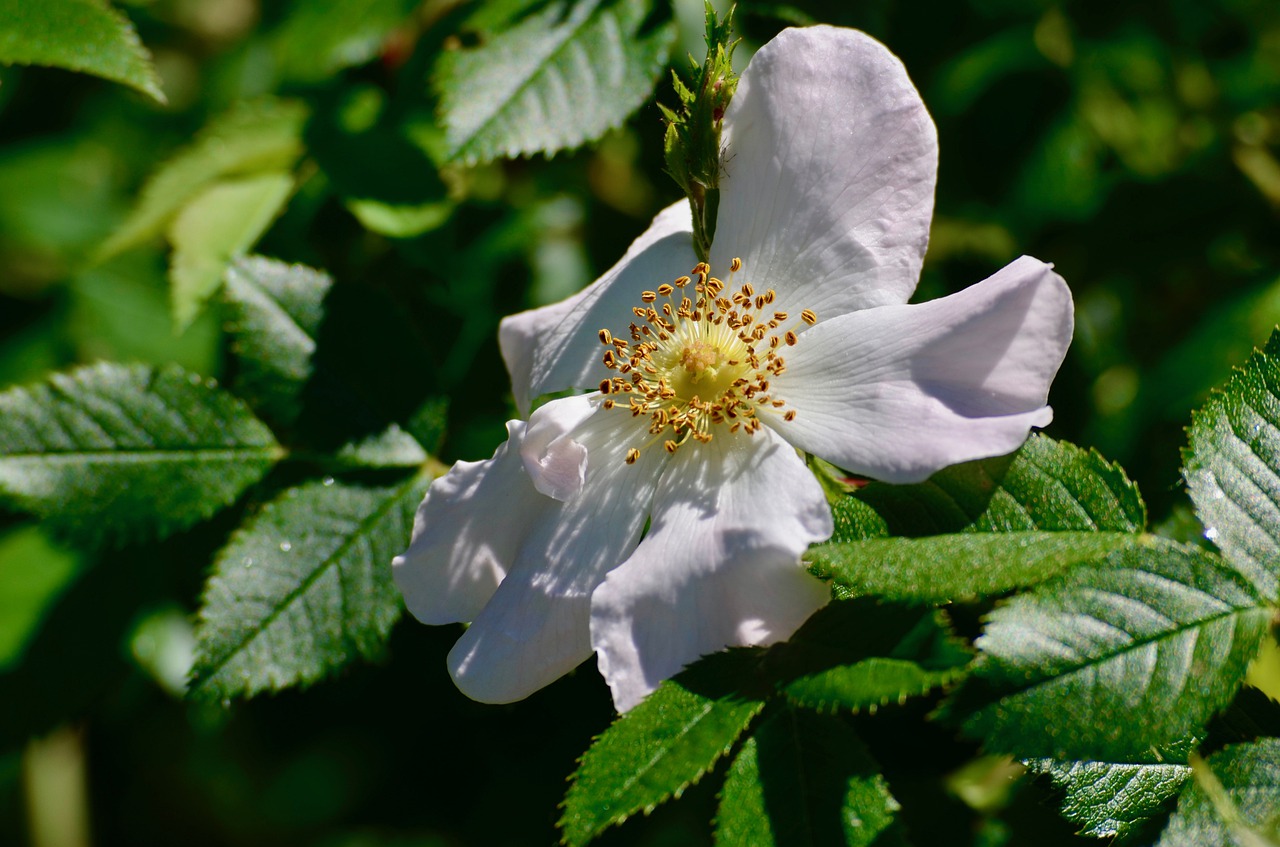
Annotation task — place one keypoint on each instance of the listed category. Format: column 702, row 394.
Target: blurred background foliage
column 1134, row 144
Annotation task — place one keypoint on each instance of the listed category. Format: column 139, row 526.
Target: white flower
column 663, row 516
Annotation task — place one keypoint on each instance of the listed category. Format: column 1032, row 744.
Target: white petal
column 554, row 460
column 459, row 553
column 556, row 347
column 829, row 167
column 900, row 392
column 535, row 628
column 720, row 566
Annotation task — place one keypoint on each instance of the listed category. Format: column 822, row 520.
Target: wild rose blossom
column 662, row 516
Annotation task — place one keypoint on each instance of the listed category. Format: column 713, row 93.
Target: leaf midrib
column 139, row 455
column 548, row 59
column 664, row 753
column 1130, row 646
column 209, row 671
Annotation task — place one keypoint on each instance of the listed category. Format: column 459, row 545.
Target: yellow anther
column 791, row 339
column 606, row 337
column 632, row 455
column 665, row 290
column 809, row 317
column 735, row 265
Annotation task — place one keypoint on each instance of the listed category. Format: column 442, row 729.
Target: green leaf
column 33, row 572
column 127, row 451
column 804, row 779
column 1231, row 468
column 1234, row 800
column 1111, row 799
column 276, row 311
column 859, row 655
column 661, row 747
column 215, row 228
column 1160, row 631
column 303, row 588
column 319, row 39
column 963, row 566
column 79, row 35
column 558, row 76
column 365, row 148
column 1046, row 485
column 262, row 136
column 391, row 448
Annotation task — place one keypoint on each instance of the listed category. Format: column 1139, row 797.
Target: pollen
column 700, row 360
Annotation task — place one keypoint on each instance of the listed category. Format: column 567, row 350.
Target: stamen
column 701, row 362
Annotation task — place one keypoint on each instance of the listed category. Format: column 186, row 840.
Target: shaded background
column 1133, row 144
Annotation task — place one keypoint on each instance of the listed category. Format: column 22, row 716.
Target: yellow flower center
column 695, row 363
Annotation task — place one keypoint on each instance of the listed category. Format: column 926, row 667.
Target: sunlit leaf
column 276, row 311
column 262, row 136
column 1233, row 468
column 551, row 78
column 215, row 228
column 804, row 779
column 1160, row 630
column 1046, row 485
column 1234, row 799
column 962, row 566
column 303, row 588
column 126, row 451
column 79, row 35
column 391, row 448
column 661, row 747
column 1113, row 799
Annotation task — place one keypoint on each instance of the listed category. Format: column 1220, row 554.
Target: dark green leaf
column 661, row 747
column 1046, row 485
column 1234, row 800
column 1252, row 714
column 33, row 572
column 859, row 654
column 319, row 39
column 551, row 79
column 128, row 451
column 385, row 178
column 962, row 566
column 80, row 35
column 1232, row 467
column 263, row 136
column 303, row 588
column 804, row 779
column 218, row 226
column 276, row 310
column 1159, row 631
column 1109, row 799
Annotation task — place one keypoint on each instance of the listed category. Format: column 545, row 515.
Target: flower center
column 696, row 363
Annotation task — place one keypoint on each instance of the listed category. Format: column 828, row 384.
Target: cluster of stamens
column 700, row 359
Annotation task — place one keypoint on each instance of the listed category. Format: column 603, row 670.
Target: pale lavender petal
column 899, row 392
column 720, row 566
column 556, row 347
column 459, row 553
column 535, row 628
column 553, row 458
column 829, row 169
